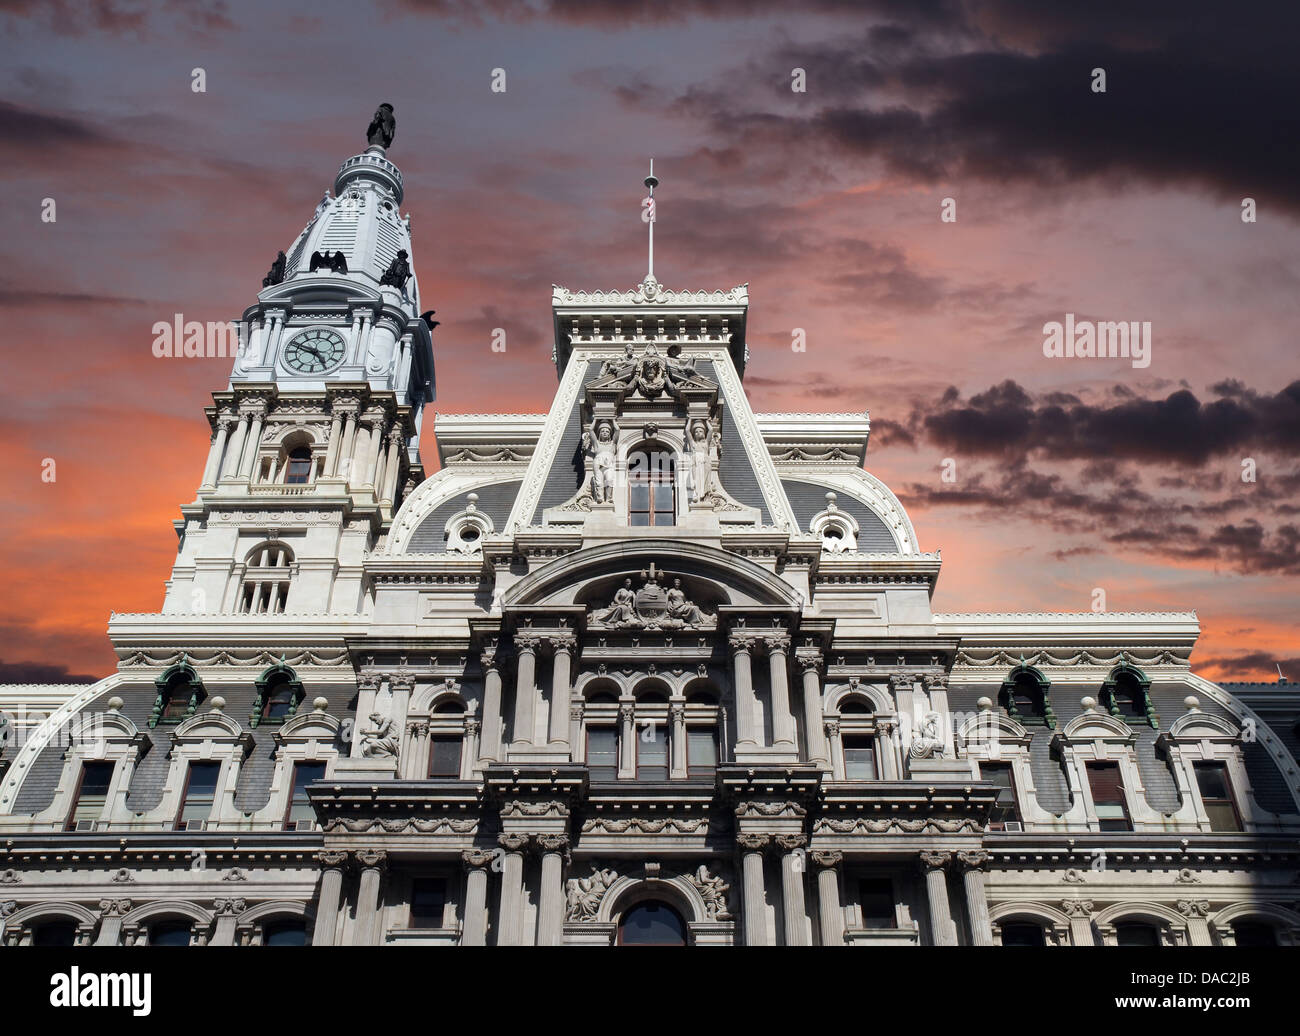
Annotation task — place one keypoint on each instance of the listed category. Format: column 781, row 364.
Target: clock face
column 314, row 351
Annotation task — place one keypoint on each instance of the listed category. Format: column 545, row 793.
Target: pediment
column 1094, row 725
column 1191, row 726
column 210, row 726
column 311, row 725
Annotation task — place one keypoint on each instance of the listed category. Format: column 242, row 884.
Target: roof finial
column 648, row 216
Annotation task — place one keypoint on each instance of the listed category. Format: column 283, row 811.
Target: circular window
column 469, row 534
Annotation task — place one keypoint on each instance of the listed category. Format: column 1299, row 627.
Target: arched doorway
column 651, row 923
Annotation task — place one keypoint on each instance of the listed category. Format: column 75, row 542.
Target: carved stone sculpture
column 713, row 890
column 652, row 607
column 583, row 895
column 926, row 743
column 599, row 443
column 379, row 740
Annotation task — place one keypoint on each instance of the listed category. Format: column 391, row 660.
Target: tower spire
column 648, row 216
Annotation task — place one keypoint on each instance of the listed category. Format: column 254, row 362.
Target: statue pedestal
column 942, row 769
column 379, row 768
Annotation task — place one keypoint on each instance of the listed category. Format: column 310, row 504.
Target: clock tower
column 315, row 441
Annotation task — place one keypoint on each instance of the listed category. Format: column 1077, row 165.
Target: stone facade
column 645, row 667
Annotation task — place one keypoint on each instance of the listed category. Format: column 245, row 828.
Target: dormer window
column 179, row 692
column 279, row 693
column 1024, row 696
column 1126, row 694
column 838, row 529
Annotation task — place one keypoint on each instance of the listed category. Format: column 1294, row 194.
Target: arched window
column 179, row 692
column 703, row 723
column 289, row 931
column 170, row 933
column 1024, row 696
column 1137, row 933
column 268, row 572
column 652, row 923
column 651, row 487
column 1126, row 695
column 298, row 471
column 1254, row 933
column 1023, row 933
column 279, row 693
column 55, row 933
column 859, row 749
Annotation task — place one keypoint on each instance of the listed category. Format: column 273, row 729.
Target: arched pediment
column 590, row 577
column 209, row 726
column 1191, row 726
column 991, row 725
column 1095, row 725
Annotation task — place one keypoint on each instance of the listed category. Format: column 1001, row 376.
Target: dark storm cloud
column 115, row 17
column 40, row 672
column 1006, row 421
column 43, row 130
column 1001, row 91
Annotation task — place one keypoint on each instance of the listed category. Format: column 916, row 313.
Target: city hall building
column 648, row 667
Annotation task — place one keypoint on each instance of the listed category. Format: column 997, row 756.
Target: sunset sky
column 1071, row 474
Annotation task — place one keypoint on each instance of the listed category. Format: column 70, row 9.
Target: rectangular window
column 701, row 752
column 92, row 794
column 200, row 795
column 876, row 901
column 444, row 757
column 299, row 804
column 652, row 753
column 428, row 902
column 1216, row 796
column 1108, row 796
column 999, row 774
column 860, row 758
column 602, row 753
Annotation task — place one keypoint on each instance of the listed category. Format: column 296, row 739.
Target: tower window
column 444, row 756
column 266, row 580
column 1023, row 933
column 701, row 751
column 1137, row 935
column 652, row 753
column 860, row 758
column 651, row 488
column 298, row 473
column 1004, row 809
column 876, row 901
column 428, row 902
column 602, row 753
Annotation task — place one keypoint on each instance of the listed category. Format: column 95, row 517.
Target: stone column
column 561, row 665
column 491, row 746
column 332, row 447
column 1198, row 927
column 526, row 690
column 942, row 929
column 832, row 729
column 470, row 753
column 474, row 928
column 746, row 734
column 830, row 910
column 677, row 721
column 755, row 900
column 1079, row 911
column 388, row 484
column 359, row 452
column 886, row 743
column 372, row 863
column 414, row 762
column 213, row 468
column 977, row 905
column 374, row 446
column 344, row 462
column 810, row 665
column 331, row 891
column 227, row 913
column 235, row 453
column 792, row 872
column 783, row 732
column 111, row 912
column 512, row 890
column 251, row 445
column 550, row 907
